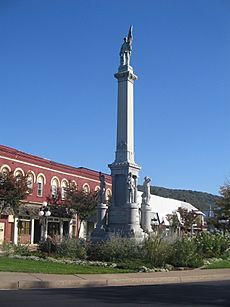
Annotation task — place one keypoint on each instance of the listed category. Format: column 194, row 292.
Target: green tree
column 188, row 218
column 222, row 218
column 173, row 221
column 13, row 190
column 80, row 202
column 58, row 206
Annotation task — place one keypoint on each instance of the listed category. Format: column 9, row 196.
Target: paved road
column 193, row 294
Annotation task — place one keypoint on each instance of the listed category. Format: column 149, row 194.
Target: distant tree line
column 200, row 200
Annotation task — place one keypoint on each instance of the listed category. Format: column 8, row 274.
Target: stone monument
column 123, row 214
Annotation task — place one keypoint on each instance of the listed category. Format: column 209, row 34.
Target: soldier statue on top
column 126, row 49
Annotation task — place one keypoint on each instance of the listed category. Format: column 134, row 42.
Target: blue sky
column 58, row 95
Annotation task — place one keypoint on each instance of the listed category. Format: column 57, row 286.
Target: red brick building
column 46, row 178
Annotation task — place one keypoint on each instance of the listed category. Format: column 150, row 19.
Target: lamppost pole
column 44, row 213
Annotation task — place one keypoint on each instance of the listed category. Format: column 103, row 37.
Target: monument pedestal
column 125, row 222
column 101, row 215
column 123, row 215
column 146, row 218
column 132, row 228
column 99, row 232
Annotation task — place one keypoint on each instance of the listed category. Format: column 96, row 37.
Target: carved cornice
column 124, row 164
column 125, row 76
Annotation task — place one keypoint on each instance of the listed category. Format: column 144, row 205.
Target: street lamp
column 44, row 213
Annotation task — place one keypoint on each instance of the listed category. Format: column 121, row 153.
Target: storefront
column 28, row 227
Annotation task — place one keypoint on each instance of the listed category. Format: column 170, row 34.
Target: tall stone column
column 123, row 215
column 124, row 212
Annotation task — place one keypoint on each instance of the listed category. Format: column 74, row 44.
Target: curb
column 82, row 283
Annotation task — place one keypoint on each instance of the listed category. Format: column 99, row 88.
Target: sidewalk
column 37, row 280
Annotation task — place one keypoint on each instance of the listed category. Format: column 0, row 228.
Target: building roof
column 163, row 206
column 29, row 158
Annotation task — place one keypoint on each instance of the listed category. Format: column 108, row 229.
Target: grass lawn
column 222, row 264
column 32, row 266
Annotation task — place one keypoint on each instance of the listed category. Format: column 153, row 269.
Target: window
column 30, row 181
column 63, row 191
column 24, row 227
column 54, row 229
column 108, row 196
column 18, row 175
column 73, row 182
column 54, row 188
column 86, row 188
column 40, row 186
column 5, row 170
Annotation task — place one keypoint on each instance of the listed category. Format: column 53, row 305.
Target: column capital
column 125, row 166
column 127, row 75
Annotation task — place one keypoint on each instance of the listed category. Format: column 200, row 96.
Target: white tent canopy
column 163, row 206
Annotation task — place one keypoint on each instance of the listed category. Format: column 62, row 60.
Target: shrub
column 212, row 245
column 156, row 250
column 22, row 250
column 8, row 248
column 184, row 253
column 116, row 249
column 72, row 248
column 48, row 246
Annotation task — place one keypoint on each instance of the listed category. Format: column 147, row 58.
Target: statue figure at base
column 126, row 49
column 131, row 182
column 102, row 188
column 146, row 191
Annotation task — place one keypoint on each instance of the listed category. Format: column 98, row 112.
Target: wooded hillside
column 200, row 200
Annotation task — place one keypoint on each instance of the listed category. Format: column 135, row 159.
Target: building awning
column 32, row 211
column 28, row 211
